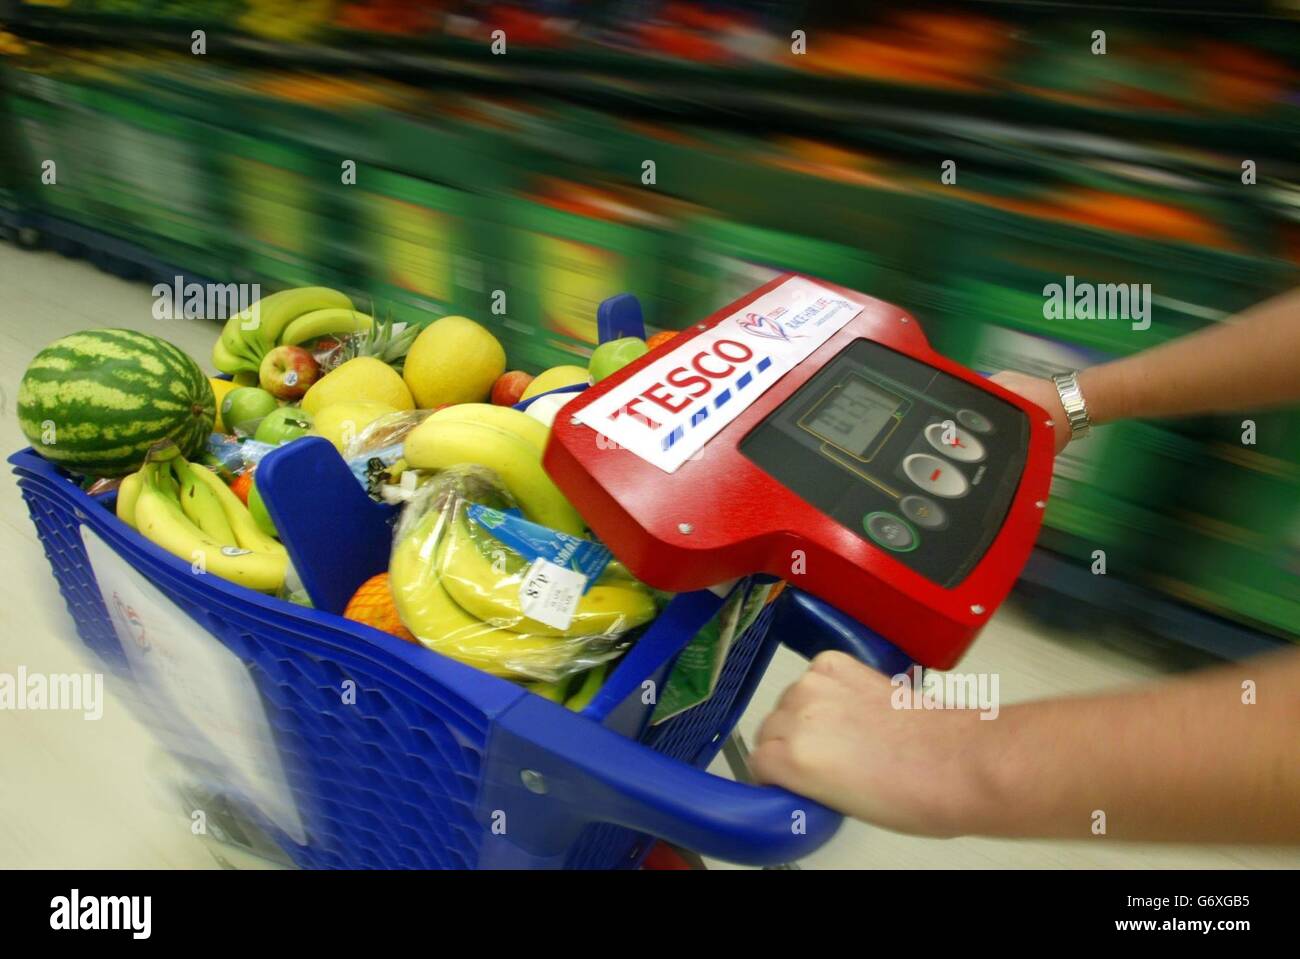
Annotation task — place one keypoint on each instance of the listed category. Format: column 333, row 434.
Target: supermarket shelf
column 1050, row 576
column 1146, row 10
column 605, row 75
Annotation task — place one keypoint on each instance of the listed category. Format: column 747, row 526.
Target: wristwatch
column 1076, row 408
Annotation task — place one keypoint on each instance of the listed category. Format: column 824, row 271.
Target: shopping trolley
column 435, row 764
column 388, row 755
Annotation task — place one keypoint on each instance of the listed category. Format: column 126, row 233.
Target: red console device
column 808, row 431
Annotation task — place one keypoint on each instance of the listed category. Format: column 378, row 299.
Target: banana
column 262, row 323
column 161, row 520
column 201, row 505
column 439, row 624
column 519, row 424
column 167, row 483
column 227, row 362
column 235, row 346
column 438, row 444
column 246, row 531
column 555, row 692
column 127, row 493
column 471, row 580
column 309, row 326
column 588, row 689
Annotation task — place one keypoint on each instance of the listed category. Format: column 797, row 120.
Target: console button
column 935, row 475
column 923, row 511
column 977, row 422
column 964, row 447
column 890, row 532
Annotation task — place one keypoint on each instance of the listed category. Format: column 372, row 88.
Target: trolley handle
column 549, row 759
column 809, row 626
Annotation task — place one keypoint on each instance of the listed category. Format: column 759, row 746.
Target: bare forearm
column 1185, row 760
column 1249, row 362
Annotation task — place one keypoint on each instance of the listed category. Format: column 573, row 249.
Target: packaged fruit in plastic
column 477, row 583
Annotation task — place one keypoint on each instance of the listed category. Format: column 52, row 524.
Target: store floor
column 76, row 793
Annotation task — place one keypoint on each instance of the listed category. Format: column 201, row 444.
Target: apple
column 283, row 424
column 288, row 371
column 244, row 407
column 260, row 516
column 608, row 358
column 509, row 387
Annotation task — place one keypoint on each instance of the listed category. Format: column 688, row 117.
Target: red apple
column 509, row 387
column 287, row 372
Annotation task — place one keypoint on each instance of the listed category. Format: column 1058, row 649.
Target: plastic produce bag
column 375, row 456
column 385, row 433
column 474, row 581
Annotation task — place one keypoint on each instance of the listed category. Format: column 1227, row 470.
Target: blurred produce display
column 514, row 189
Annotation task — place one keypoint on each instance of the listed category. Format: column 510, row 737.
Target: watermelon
column 95, row 401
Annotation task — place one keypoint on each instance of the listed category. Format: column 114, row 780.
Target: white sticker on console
column 666, row 412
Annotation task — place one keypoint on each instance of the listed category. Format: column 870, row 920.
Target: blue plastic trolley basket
column 434, row 764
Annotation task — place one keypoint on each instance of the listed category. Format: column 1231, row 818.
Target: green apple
column 609, row 358
column 283, row 424
column 244, row 407
column 260, row 516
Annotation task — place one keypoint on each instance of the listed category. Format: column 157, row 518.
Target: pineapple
column 380, row 342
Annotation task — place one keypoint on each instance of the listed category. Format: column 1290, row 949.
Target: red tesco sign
column 696, row 378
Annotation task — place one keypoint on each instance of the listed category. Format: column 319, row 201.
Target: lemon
column 340, row 423
column 554, row 378
column 219, row 389
column 362, row 380
column 453, row 360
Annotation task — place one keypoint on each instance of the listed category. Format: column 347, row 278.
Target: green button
column 890, row 531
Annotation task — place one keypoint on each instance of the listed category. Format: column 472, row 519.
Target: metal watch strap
column 1076, row 409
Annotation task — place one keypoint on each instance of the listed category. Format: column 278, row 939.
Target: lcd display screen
column 852, row 415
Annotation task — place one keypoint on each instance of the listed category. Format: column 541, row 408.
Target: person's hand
column 1042, row 391
column 836, row 737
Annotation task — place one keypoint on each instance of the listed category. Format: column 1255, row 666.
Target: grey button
column 890, row 531
column 924, row 512
column 974, row 421
column 936, row 476
column 954, row 443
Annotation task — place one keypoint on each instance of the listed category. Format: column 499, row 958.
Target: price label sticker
column 550, row 593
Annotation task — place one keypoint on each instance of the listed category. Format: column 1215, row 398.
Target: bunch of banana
column 438, row 562
column 187, row 510
column 574, row 692
column 290, row 316
column 485, row 582
column 506, row 441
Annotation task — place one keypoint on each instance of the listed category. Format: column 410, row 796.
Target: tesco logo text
column 694, row 379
